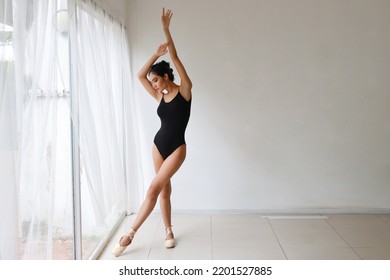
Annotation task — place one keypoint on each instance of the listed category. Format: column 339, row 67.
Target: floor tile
column 365, row 238
column 243, row 253
column 253, row 237
column 243, row 238
column 299, row 238
column 181, row 253
column 320, row 253
column 248, row 221
column 385, row 217
column 357, row 221
column 185, row 237
column 195, row 221
column 300, row 224
column 152, row 221
column 131, row 253
column 374, row 253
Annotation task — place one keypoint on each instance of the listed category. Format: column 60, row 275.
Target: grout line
column 382, row 219
column 281, row 247
column 349, row 245
column 211, row 237
column 148, row 256
column 154, row 237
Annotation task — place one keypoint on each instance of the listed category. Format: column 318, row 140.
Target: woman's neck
column 172, row 88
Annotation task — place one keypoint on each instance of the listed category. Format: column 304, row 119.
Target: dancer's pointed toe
column 119, row 248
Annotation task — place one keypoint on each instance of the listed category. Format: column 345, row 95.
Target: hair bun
column 165, row 63
column 161, row 68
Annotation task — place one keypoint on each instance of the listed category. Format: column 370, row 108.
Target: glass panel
column 36, row 180
column 97, row 56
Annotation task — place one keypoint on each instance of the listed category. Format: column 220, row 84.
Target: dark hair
column 161, row 68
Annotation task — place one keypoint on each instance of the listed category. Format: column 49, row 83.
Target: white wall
column 290, row 102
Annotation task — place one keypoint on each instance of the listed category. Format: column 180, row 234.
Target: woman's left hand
column 162, row 49
column 166, row 18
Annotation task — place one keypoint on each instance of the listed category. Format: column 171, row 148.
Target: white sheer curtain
column 35, row 126
column 98, row 56
column 44, row 204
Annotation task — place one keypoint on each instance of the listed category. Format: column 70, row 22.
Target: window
column 63, row 85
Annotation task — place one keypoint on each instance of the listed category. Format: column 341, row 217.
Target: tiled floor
column 260, row 237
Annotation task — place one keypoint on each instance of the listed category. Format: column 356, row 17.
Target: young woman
column 169, row 149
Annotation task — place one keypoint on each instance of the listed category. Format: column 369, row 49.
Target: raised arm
column 143, row 72
column 185, row 82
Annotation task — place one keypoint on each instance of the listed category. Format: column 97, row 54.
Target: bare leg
column 167, row 170
column 165, row 195
column 165, row 204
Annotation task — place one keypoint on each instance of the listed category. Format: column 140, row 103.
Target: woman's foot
column 169, row 240
column 123, row 243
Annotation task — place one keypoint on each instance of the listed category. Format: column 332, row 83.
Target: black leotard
column 174, row 117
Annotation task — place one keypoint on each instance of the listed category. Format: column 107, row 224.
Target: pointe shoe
column 118, row 249
column 169, row 243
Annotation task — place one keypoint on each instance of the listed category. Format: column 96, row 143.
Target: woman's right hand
column 162, row 49
column 166, row 18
